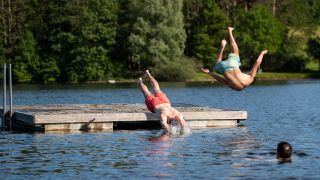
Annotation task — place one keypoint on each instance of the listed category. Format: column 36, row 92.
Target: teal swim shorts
column 233, row 62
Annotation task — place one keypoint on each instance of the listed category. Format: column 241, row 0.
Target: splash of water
column 176, row 129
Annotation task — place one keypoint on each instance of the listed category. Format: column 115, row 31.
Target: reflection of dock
column 114, row 116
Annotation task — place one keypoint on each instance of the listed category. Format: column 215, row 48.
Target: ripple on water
column 277, row 112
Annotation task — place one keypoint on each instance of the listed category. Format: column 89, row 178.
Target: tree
column 257, row 30
column 315, row 10
column 2, row 33
column 54, row 40
column 206, row 28
column 17, row 41
column 94, row 26
column 26, row 60
column 297, row 16
column 81, row 35
column 157, row 37
column 314, row 49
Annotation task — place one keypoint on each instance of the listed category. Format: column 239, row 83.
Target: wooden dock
column 69, row 117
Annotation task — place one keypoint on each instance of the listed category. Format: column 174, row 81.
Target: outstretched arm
column 181, row 120
column 257, row 64
column 217, row 77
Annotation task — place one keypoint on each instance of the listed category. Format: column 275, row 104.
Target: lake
column 277, row 111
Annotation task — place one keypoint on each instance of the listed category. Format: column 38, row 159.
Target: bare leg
column 233, row 43
column 144, row 89
column 153, row 81
column 257, row 64
column 220, row 53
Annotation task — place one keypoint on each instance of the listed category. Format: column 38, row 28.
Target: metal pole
column 10, row 94
column 4, row 94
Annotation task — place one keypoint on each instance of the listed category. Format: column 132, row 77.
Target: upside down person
column 229, row 68
column 160, row 104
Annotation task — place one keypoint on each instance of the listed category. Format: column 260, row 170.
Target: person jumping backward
column 230, row 68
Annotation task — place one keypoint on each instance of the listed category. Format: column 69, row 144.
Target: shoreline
column 200, row 77
column 195, row 81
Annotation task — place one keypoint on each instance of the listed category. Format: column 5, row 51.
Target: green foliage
column 2, row 51
column 292, row 55
column 94, row 33
column 207, row 30
column 82, row 35
column 48, row 71
column 2, row 48
column 26, row 60
column 92, row 40
column 294, row 13
column 315, row 9
column 205, row 24
column 314, row 49
column 157, row 34
column 179, row 70
column 257, row 30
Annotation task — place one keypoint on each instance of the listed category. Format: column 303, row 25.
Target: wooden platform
column 64, row 117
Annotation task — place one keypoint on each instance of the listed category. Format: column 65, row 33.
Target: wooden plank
column 239, row 115
column 84, row 118
column 222, row 123
column 104, row 116
column 111, row 117
column 212, row 123
column 79, row 126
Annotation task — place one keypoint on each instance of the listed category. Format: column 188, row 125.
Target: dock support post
column 10, row 94
column 4, row 95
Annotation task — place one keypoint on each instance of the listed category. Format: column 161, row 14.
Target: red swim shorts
column 153, row 100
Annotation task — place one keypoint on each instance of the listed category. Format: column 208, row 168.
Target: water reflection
column 161, row 137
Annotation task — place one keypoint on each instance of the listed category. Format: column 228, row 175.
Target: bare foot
column 205, row 70
column 230, row 28
column 223, row 43
column 139, row 81
column 264, row 52
column 147, row 73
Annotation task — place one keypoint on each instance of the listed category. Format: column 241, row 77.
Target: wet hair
column 284, row 150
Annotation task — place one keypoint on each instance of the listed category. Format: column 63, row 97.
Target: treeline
column 92, row 40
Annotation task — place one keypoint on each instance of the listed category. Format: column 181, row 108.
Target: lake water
column 278, row 111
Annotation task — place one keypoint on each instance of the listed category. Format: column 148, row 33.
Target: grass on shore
column 265, row 76
column 283, row 75
column 312, row 66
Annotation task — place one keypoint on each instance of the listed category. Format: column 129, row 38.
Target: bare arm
column 217, row 77
column 181, row 120
column 164, row 123
column 256, row 65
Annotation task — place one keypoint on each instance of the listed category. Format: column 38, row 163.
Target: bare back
column 237, row 80
column 166, row 110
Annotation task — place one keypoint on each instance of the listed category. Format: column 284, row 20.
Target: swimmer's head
column 284, row 151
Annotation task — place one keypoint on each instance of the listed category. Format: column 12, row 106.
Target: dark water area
column 277, row 111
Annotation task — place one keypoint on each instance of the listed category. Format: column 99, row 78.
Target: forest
column 96, row 40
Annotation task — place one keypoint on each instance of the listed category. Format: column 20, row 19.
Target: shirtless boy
column 160, row 104
column 232, row 75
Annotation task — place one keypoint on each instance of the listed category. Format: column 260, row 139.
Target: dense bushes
column 92, row 40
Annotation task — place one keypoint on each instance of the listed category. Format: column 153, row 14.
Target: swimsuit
column 233, row 62
column 153, row 100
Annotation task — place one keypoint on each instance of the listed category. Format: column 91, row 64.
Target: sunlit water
column 278, row 111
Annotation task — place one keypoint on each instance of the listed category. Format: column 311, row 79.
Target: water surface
column 278, row 111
